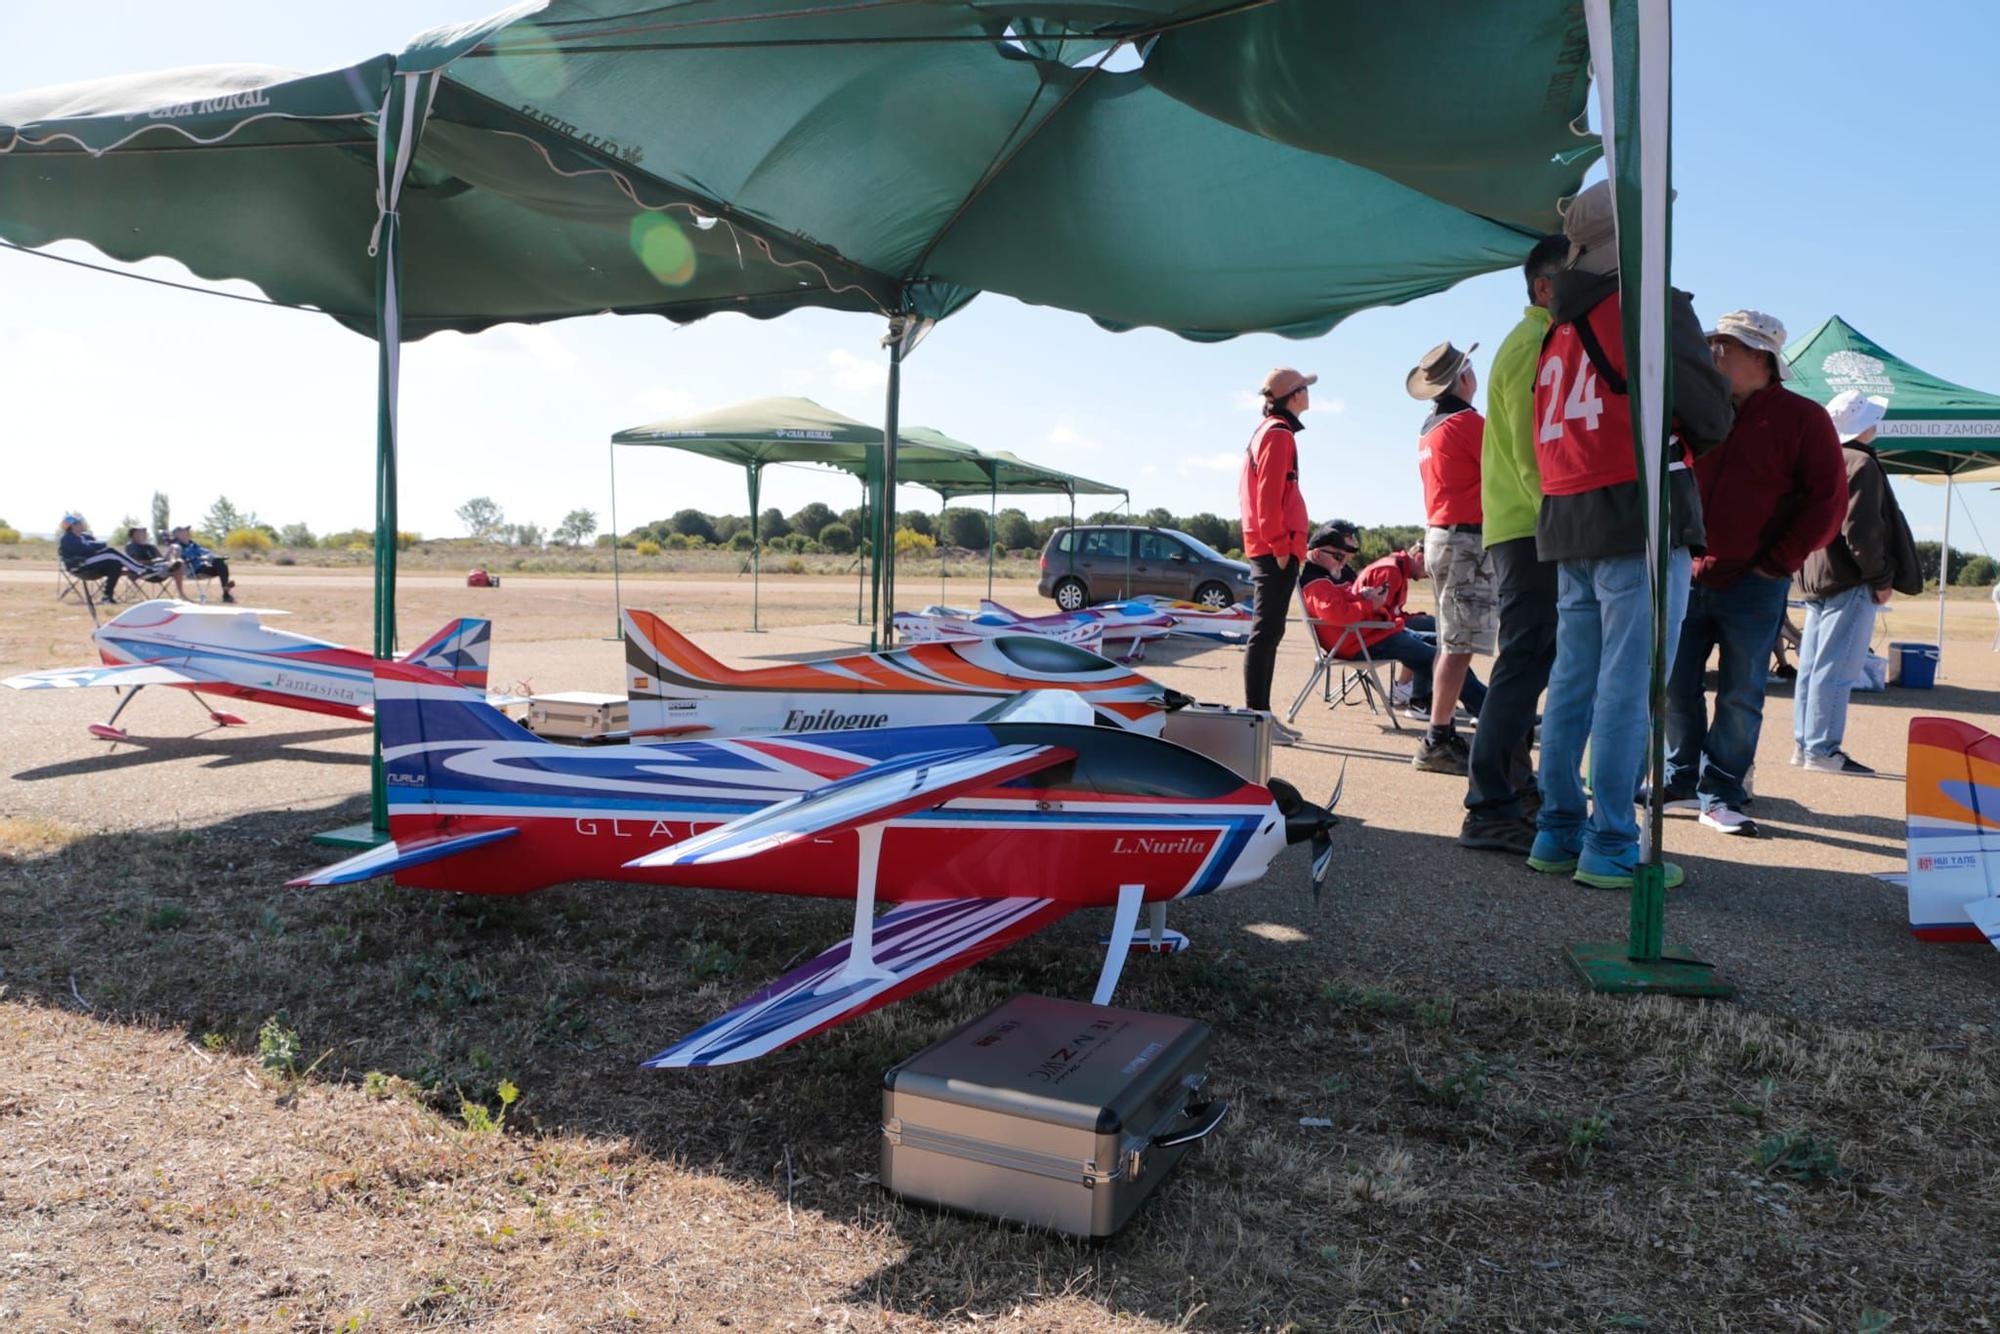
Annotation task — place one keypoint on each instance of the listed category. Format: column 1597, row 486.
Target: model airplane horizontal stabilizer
column 1952, row 820
column 876, row 794
column 122, row 675
column 398, row 855
column 915, row 945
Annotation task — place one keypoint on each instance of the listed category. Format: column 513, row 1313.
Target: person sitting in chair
column 201, row 562
column 87, row 558
column 1334, row 607
column 139, row 546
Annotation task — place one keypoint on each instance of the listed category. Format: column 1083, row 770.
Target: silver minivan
column 1102, row 562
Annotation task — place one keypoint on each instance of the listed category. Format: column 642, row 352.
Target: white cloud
column 852, row 372
column 663, row 401
column 1070, row 438
column 1148, row 471
column 1226, row 461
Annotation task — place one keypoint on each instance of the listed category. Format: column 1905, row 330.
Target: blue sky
column 1830, row 158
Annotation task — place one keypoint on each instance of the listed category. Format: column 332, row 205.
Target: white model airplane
column 229, row 651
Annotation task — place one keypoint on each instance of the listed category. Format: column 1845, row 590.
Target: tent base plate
column 1607, row 967
column 363, row 835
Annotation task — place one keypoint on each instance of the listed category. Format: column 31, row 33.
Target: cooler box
column 1238, row 738
column 1053, row 1113
column 1913, row 666
column 577, row 715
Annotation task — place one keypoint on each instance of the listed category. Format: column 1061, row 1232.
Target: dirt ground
column 1502, row 1151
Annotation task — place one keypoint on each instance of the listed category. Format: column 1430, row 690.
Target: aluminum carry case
column 577, row 715
column 1237, row 738
column 1053, row 1113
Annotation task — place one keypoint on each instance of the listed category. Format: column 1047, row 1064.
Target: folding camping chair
column 1359, row 673
column 71, row 584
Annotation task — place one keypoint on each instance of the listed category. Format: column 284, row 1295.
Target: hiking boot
column 1549, row 856
column 1840, row 762
column 1448, row 754
column 1485, row 833
column 1623, row 879
column 1729, row 820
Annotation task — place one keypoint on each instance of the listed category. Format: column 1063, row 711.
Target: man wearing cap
column 1772, row 495
column 1274, row 530
column 1500, row 797
column 1373, row 598
column 1448, row 461
column 1593, row 521
column 1844, row 582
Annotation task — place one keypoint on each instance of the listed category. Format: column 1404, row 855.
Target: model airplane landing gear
column 1156, row 939
column 108, row 730
column 216, row 716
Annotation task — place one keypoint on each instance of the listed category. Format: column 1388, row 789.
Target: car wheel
column 1215, row 596
column 1070, row 594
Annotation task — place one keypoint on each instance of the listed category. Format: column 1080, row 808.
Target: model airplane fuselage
column 1952, row 796
column 675, row 689
column 229, row 651
column 936, row 623
column 979, row 832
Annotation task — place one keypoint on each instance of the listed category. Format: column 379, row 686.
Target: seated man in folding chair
column 201, row 562
column 87, row 558
column 139, row 546
column 1336, row 608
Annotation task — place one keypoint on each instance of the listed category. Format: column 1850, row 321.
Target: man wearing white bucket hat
column 1843, row 584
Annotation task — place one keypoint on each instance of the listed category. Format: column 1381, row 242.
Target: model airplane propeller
column 229, row 651
column 977, row 833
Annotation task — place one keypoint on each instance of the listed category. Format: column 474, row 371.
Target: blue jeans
column 1832, row 648
column 1709, row 756
column 1597, row 693
column 1419, row 656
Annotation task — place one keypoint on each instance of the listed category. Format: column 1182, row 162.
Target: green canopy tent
column 762, row 432
column 1934, row 430
column 890, row 159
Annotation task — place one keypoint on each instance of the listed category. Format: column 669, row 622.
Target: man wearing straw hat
column 1844, row 582
column 1461, row 577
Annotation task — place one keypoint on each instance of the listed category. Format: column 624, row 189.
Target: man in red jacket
column 1274, row 530
column 1773, row 494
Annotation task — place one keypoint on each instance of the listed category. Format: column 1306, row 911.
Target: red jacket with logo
column 1448, row 462
column 1274, row 510
column 1333, row 607
column 1774, row 493
column 1391, row 574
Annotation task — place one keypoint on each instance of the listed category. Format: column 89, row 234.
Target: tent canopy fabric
column 1933, row 428
column 764, row 431
column 1269, row 167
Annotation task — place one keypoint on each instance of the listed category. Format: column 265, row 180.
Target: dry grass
column 228, row 1103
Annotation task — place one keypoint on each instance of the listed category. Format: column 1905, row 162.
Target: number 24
column 1582, row 401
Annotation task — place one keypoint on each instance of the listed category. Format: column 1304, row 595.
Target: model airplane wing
column 398, row 855
column 121, row 674
column 872, row 796
column 915, row 945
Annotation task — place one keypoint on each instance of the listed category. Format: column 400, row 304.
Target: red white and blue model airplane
column 1952, row 796
column 229, row 651
column 978, row 833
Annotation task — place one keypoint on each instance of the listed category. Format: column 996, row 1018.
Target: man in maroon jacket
column 1773, row 494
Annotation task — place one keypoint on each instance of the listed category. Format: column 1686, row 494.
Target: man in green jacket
column 1500, row 772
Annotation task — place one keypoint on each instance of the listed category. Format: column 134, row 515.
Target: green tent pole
column 885, row 518
column 396, row 130
column 944, row 498
column 992, row 518
column 860, row 562
column 1944, row 570
column 755, row 474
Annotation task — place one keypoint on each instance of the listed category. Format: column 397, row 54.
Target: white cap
column 1853, row 415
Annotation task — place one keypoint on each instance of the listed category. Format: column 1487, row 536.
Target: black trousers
column 108, row 565
column 218, row 567
column 1271, row 586
column 1500, row 765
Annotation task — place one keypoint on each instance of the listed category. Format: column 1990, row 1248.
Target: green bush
column 837, row 538
column 248, row 540
column 1979, row 572
column 9, row 536
column 648, row 548
column 740, row 540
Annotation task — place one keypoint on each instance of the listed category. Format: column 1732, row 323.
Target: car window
column 1155, row 546
column 1063, row 539
column 1107, row 542
column 1201, row 548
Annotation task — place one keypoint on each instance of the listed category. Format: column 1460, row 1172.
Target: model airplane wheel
column 1170, row 942
column 105, row 732
column 228, row 719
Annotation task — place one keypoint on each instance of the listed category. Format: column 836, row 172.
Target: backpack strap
column 1595, row 351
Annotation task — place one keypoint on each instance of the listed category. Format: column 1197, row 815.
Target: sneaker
column 229, row 597
column 1549, row 856
column 1420, row 709
column 1486, row 834
column 1677, row 799
column 1798, row 755
column 1447, row 755
column 1728, row 820
column 1623, row 880
column 1840, row 762
column 1399, row 692
column 1785, row 672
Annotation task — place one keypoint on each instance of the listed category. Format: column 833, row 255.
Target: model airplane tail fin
column 461, row 651
column 416, row 709
column 1952, row 820
column 991, row 607
column 654, row 648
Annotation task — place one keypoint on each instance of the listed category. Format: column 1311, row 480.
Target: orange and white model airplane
column 676, row 690
column 1952, row 797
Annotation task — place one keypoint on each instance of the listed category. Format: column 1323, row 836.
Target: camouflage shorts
column 1461, row 575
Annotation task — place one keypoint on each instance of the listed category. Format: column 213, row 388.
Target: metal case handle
column 1206, row 1117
